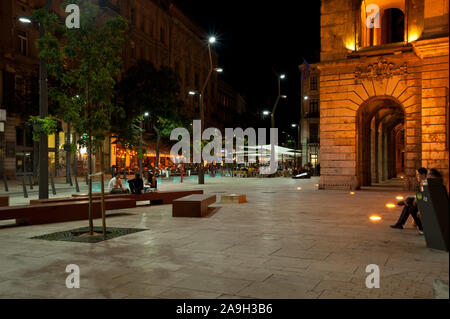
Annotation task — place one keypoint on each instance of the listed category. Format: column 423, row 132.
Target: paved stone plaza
column 285, row 242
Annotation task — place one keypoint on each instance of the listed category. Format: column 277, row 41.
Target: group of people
column 410, row 203
column 137, row 185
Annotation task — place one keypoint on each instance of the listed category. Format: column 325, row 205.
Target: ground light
column 399, row 197
column 390, row 205
column 375, row 218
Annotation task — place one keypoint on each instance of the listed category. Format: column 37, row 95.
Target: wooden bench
column 193, row 205
column 4, row 200
column 158, row 197
column 56, row 212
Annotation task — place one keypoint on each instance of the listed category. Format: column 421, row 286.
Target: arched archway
column 380, row 140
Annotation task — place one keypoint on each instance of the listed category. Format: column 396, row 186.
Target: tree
column 154, row 91
column 85, row 62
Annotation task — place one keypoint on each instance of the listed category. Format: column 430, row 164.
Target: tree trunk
column 68, row 155
column 75, row 163
column 158, row 142
column 139, row 152
column 91, row 223
column 102, row 185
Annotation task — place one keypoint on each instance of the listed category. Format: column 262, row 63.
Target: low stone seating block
column 158, row 197
column 56, row 212
column 193, row 205
column 4, row 200
column 234, row 198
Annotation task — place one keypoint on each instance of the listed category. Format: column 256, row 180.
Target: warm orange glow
column 375, row 218
column 399, row 197
column 299, row 188
column 390, row 205
column 317, row 185
column 352, row 193
column 413, row 36
column 350, row 45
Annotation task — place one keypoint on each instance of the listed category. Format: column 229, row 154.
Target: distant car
column 303, row 175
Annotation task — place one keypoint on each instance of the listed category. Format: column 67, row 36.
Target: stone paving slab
column 287, row 244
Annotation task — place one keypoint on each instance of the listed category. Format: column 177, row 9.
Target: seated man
column 115, row 186
column 410, row 204
column 136, row 184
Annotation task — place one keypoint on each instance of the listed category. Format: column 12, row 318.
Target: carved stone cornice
column 382, row 69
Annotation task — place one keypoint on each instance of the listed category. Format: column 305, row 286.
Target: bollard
column 31, row 181
column 87, row 180
column 6, row 183
column 25, row 193
column 53, row 184
column 77, row 187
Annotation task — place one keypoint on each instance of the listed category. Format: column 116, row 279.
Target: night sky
column 256, row 37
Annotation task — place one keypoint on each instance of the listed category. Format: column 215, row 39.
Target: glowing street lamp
column 266, row 113
column 279, row 78
column 219, row 70
column 212, row 40
column 25, row 20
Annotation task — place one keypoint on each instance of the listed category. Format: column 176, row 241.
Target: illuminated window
column 51, row 141
column 62, row 140
column 382, row 22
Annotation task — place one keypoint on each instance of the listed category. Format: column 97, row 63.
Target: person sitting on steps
column 410, row 205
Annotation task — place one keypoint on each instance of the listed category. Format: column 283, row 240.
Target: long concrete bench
column 193, row 205
column 158, row 197
column 46, row 213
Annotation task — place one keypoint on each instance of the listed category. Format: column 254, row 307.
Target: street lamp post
column 146, row 114
column 212, row 40
column 43, row 112
column 279, row 78
column 298, row 141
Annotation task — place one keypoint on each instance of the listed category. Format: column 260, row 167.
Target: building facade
column 384, row 83
column 310, row 119
column 231, row 107
column 158, row 32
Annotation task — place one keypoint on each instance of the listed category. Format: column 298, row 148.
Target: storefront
column 128, row 160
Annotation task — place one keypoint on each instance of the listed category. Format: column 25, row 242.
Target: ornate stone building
column 384, row 82
column 310, row 118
